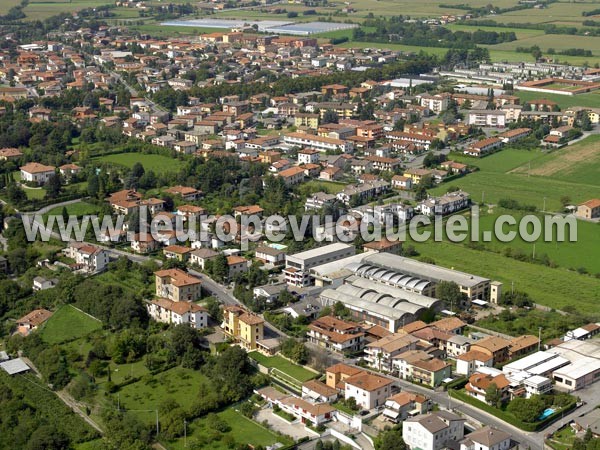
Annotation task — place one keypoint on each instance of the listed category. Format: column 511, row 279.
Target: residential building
column 318, row 391
column 32, row 321
column 484, row 146
column 308, row 156
column 37, row 173
column 269, row 293
column 41, row 283
column 405, row 404
column 337, row 374
column 401, row 182
column 292, row 176
column 487, row 118
column 446, row 204
column 177, row 285
column 167, row 311
column 244, row 327
column 236, row 265
column 320, row 143
column 494, row 346
column 436, row 103
column 469, row 362
column 379, row 354
column 313, row 414
column 91, row 258
column 178, row 252
column 480, row 382
column 270, row 255
column 335, row 334
column 200, row 256
column 369, row 390
column 589, row 209
column 432, row 431
column 487, row 438
column 318, row 200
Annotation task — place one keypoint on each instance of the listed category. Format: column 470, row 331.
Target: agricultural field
column 40, row 10
column 492, row 187
column 241, row 430
column 564, row 12
column 521, row 33
column 5, row 5
column 67, row 324
column 580, row 162
column 277, row 362
column 553, row 287
column 591, row 100
column 133, row 283
column 156, row 163
column 329, row 187
column 179, row 384
column 555, row 41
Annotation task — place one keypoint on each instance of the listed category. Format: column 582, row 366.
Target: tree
column 586, row 124
column 493, row 395
column 449, row 292
column 330, row 116
column 536, row 52
column 214, row 309
column 53, row 186
column 48, row 437
column 16, row 195
column 527, row 410
column 390, row 440
column 219, row 268
column 93, row 187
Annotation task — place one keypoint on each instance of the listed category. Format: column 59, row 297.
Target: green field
column 579, row 162
column 5, row 5
column 556, row 287
column 43, row 10
column 329, row 187
column 555, row 41
column 591, row 100
column 179, row 384
column 521, row 33
column 554, row 12
column 492, row 187
column 156, row 163
column 76, row 209
column 68, row 324
column 242, row 430
column 132, row 284
column 569, row 255
column 277, row 362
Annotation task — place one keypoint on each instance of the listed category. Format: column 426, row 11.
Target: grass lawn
column 5, row 5
column 562, row 439
column 178, row 383
column 277, row 362
column 157, row 163
column 591, row 100
column 133, row 283
column 579, row 162
column 67, row 324
column 329, row 187
column 555, row 288
column 76, row 209
column 242, row 430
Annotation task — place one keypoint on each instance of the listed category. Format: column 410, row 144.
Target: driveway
column 295, row 430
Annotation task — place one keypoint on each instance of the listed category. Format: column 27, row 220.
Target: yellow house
column 243, row 326
column 416, row 174
column 594, row 115
column 177, row 285
column 178, row 252
column 306, row 120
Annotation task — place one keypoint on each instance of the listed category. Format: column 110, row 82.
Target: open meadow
column 553, row 287
column 68, row 323
column 156, row 163
column 578, row 162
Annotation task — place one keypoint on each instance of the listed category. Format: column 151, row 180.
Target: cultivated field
column 564, row 12
column 591, row 100
column 492, row 187
column 5, row 5
column 156, row 163
column 76, row 209
column 68, row 324
column 579, row 162
column 556, row 287
column 555, row 41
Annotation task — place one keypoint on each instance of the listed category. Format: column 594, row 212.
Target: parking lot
column 295, row 430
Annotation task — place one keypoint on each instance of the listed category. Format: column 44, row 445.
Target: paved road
column 225, row 297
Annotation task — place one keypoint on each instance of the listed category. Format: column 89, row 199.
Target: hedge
column 509, row 418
